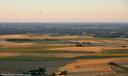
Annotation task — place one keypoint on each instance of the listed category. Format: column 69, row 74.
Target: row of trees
column 31, row 39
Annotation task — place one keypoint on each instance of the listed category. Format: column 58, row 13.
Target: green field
column 40, row 49
column 106, row 53
column 115, row 51
column 101, row 56
column 32, row 58
column 39, row 41
column 35, row 58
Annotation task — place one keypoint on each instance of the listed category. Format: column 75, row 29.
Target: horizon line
column 63, row 22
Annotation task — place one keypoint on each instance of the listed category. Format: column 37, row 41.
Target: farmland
column 115, row 51
column 88, row 59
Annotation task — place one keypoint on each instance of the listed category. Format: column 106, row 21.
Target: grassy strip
column 31, row 49
column 115, row 51
column 40, row 49
column 65, row 51
column 121, row 67
column 44, row 51
column 39, row 41
column 100, row 56
column 32, row 58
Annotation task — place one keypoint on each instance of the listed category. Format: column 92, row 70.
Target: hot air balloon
column 40, row 12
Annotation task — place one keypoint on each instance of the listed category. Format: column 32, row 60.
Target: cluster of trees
column 80, row 44
column 50, row 39
column 83, row 43
column 112, row 63
column 20, row 40
column 39, row 71
column 59, row 29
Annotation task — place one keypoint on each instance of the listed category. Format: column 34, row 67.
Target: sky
column 63, row 10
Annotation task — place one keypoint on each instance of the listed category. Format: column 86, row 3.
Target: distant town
column 95, row 29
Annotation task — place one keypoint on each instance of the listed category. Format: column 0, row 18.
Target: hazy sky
column 63, row 10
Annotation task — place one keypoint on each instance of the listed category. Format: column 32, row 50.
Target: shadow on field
column 8, row 66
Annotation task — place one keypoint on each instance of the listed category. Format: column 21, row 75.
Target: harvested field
column 96, row 70
column 9, row 54
column 43, row 55
column 34, row 36
column 119, row 70
column 13, row 36
column 122, row 62
column 95, row 49
column 65, row 37
column 13, row 44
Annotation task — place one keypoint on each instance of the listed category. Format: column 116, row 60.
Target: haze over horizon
column 63, row 10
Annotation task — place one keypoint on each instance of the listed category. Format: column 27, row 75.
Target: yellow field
column 86, row 71
column 13, row 44
column 40, row 36
column 13, row 36
column 43, row 54
column 96, row 49
column 9, row 54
